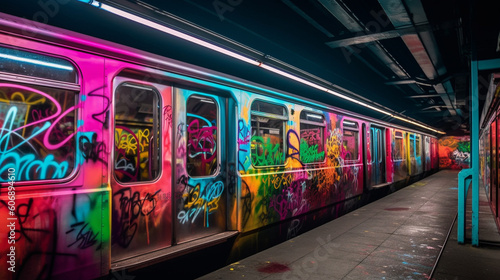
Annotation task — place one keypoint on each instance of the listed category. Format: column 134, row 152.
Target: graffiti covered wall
column 454, row 152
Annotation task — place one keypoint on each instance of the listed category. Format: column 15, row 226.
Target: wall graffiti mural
column 454, row 152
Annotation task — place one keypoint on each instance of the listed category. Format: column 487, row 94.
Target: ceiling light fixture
column 246, row 59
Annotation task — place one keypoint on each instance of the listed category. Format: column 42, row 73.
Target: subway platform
column 400, row 236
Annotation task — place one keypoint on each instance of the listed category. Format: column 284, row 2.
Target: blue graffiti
column 27, row 166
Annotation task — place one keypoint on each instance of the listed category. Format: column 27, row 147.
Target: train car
column 114, row 158
column 488, row 147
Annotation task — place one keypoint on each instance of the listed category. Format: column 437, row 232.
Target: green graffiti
column 310, row 154
column 464, row 147
column 265, row 153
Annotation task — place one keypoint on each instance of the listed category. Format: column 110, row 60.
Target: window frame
column 412, row 144
column 418, row 146
column 35, row 81
column 284, row 118
column 322, row 125
column 380, row 139
column 218, row 155
column 119, row 81
column 356, row 129
column 401, row 138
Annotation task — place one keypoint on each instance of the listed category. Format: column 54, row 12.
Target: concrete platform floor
column 397, row 237
column 466, row 262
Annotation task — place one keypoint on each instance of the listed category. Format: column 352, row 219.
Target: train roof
column 32, row 30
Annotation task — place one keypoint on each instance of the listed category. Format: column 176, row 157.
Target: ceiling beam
column 354, row 26
column 424, row 96
column 426, row 55
column 363, row 38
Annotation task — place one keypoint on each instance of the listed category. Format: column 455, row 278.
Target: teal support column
column 464, row 179
column 474, row 138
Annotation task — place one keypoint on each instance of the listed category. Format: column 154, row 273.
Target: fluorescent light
column 350, row 123
column 315, row 116
column 206, row 101
column 252, row 61
column 36, row 61
column 176, row 33
column 138, row 87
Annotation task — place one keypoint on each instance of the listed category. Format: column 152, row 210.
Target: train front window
column 312, row 142
column 137, row 129
column 350, row 141
column 268, row 129
column 202, row 149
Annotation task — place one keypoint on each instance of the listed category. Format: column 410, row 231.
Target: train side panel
column 55, row 136
column 293, row 159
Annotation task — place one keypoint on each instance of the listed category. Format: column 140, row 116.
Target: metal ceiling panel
column 399, row 17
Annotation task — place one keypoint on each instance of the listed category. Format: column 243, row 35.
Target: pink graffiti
column 312, row 136
column 291, row 200
column 46, row 141
column 201, row 141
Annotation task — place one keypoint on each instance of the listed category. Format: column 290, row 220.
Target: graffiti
column 294, row 228
column 102, row 116
column 311, row 136
column 87, row 232
column 243, row 145
column 129, row 208
column 124, row 165
column 310, row 154
column 167, row 113
column 85, row 236
column 266, row 152
column 246, row 206
column 29, row 128
column 291, row 201
column 37, row 234
column 132, row 154
column 201, row 199
column 201, row 141
column 90, row 148
column 454, row 152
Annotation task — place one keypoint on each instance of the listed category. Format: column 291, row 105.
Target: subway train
column 112, row 158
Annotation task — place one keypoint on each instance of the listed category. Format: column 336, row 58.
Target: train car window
column 202, row 122
column 350, row 141
column 37, row 136
column 417, row 144
column 398, row 151
column 380, row 143
column 412, row 145
column 137, row 130
column 372, row 148
column 36, row 65
column 268, row 130
column 312, row 141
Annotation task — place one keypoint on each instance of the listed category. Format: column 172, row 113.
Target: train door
column 427, row 153
column 496, row 191
column 141, row 163
column 409, row 152
column 377, row 156
column 200, row 165
column 493, row 168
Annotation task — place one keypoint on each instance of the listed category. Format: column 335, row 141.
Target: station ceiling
column 412, row 56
